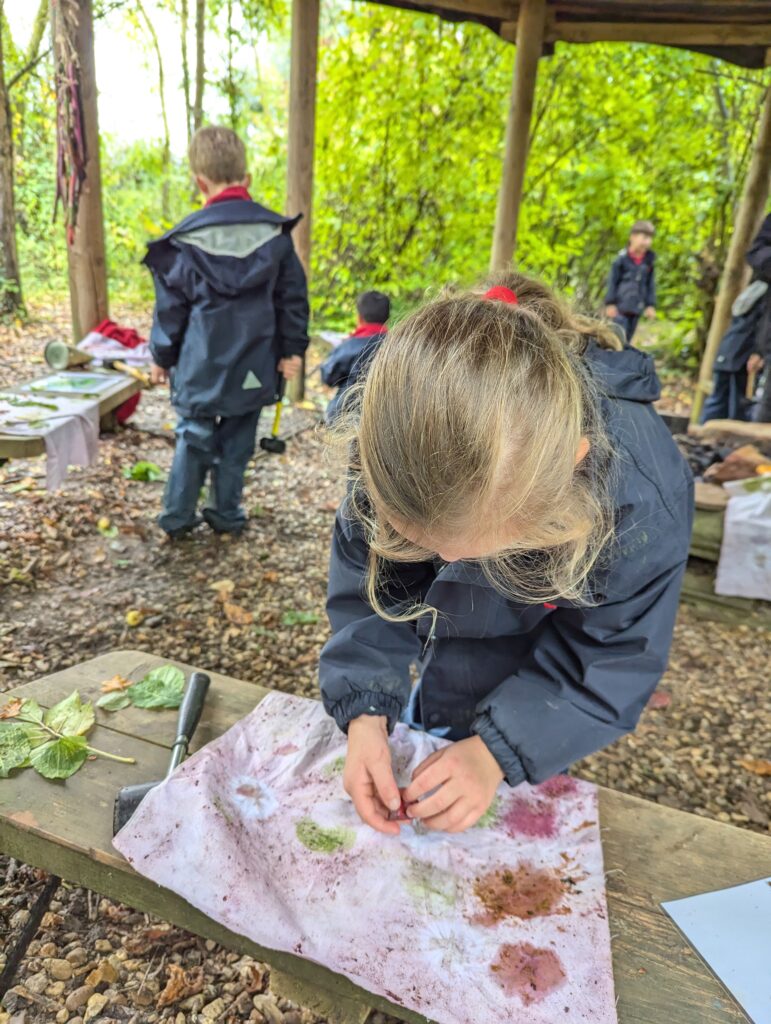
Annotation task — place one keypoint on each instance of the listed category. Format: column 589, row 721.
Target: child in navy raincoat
column 231, row 315
column 517, row 526
column 352, row 356
column 631, row 287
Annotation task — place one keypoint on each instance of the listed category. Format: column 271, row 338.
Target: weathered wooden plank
column 663, row 33
column 652, row 853
column 227, row 701
column 707, row 534
column 711, row 497
column 699, row 593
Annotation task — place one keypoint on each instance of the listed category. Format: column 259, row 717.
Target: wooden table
column 652, row 853
column 16, row 446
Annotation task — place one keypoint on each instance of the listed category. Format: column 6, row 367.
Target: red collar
column 635, row 259
column 232, row 192
column 367, row 330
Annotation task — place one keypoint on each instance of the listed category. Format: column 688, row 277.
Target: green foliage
column 410, row 127
column 295, row 618
column 145, row 471
column 161, row 688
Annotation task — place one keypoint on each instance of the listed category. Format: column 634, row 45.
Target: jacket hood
column 226, row 243
column 629, row 374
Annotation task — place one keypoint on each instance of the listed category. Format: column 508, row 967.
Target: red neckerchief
column 231, row 192
column 635, row 259
column 367, row 330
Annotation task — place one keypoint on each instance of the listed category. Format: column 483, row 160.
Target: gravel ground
column 67, row 589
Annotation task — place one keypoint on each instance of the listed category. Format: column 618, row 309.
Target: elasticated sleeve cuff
column 366, row 702
column 508, row 759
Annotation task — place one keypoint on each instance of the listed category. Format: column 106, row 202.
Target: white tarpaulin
column 744, row 568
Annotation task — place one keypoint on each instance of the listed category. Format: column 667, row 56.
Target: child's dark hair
column 373, row 307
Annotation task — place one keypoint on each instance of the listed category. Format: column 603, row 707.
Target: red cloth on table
column 129, row 338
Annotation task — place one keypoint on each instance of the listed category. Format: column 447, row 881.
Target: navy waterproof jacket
column 631, row 286
column 345, row 366
column 542, row 686
column 231, row 301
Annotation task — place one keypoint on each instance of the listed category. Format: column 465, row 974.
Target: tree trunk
column 10, row 283
column 200, row 68
column 302, row 125
column 85, row 253
column 753, row 200
column 183, row 13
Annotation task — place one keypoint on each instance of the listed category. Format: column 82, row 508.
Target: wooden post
column 302, row 126
column 751, row 206
column 85, row 255
column 530, row 32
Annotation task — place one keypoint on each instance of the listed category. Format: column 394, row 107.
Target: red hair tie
column 501, row 294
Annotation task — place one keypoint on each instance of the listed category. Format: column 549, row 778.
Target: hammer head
column 127, row 801
column 273, row 444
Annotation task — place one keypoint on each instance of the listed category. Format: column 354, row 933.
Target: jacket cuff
column 293, row 348
column 366, row 702
column 509, row 760
column 163, row 358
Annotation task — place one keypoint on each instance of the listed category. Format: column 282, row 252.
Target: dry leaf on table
column 115, row 684
column 756, row 766
column 12, row 708
column 237, row 615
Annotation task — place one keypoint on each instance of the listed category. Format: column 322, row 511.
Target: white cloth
column 101, row 348
column 505, row 922
column 744, row 568
column 70, row 430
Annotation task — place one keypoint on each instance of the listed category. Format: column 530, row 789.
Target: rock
column 293, row 1017
column 143, row 997
column 62, row 1016
column 243, row 1004
column 192, row 1003
column 55, row 989
column 133, row 965
column 79, row 997
column 61, row 970
column 77, row 957
column 37, row 983
column 94, row 1007
column 210, row 945
column 213, row 1010
column 47, row 949
column 103, row 974
column 19, row 919
column 266, row 1004
column 103, row 946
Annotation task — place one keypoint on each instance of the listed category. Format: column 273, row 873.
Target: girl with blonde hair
column 517, row 525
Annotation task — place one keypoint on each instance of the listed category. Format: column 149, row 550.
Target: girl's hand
column 368, row 777
column 467, row 776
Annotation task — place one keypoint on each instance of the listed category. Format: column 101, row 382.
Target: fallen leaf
column 237, row 615
column 756, row 766
column 224, row 589
column 271, row 576
column 116, row 683
column 180, row 984
column 253, row 977
column 659, row 700
column 12, row 708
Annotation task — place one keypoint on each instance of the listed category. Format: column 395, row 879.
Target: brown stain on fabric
column 528, row 972
column 523, row 892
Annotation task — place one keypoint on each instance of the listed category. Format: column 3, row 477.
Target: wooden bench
column 652, row 853
column 14, row 446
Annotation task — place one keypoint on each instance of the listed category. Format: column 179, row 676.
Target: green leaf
column 299, row 618
column 114, row 701
column 30, row 709
column 70, row 716
column 147, row 471
column 108, row 531
column 161, row 688
column 60, row 758
column 15, row 748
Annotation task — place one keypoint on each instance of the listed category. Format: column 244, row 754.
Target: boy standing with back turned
column 231, row 317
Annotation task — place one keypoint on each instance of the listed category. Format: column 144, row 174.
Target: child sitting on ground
column 349, row 360
column 231, row 315
column 631, row 287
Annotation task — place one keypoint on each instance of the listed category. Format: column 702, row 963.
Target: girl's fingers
column 385, row 784
column 372, row 812
column 433, row 775
column 427, row 763
column 454, row 818
column 435, row 804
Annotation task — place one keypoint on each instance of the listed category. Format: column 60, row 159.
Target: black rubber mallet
column 130, row 797
column 274, row 444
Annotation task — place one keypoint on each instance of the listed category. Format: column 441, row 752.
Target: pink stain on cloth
column 497, row 924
